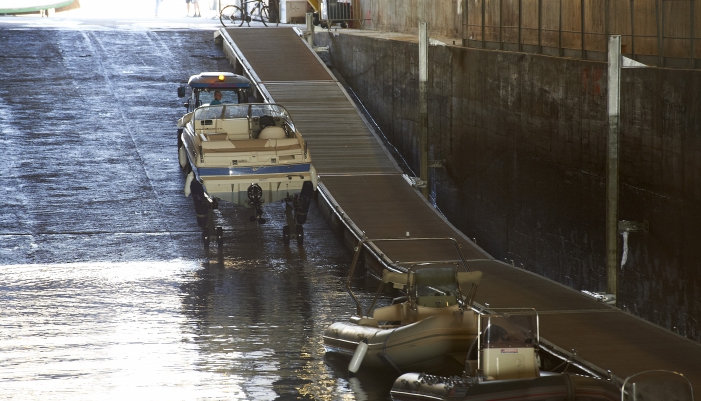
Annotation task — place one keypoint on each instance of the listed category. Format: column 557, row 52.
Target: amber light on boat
column 221, row 77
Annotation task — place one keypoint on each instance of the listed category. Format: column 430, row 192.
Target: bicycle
column 233, row 15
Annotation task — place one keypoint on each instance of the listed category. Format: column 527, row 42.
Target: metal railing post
column 310, row 29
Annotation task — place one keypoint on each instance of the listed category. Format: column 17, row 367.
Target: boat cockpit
column 241, row 121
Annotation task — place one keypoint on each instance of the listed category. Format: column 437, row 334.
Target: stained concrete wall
column 524, row 139
column 651, row 29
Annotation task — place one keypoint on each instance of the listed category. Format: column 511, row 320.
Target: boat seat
column 272, row 132
column 391, row 313
column 422, row 312
column 404, row 314
column 235, row 129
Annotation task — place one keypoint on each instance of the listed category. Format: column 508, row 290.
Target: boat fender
column 188, row 181
column 358, row 356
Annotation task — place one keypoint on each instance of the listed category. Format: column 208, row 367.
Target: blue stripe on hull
column 263, row 170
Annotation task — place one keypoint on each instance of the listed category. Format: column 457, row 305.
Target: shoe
column 197, row 16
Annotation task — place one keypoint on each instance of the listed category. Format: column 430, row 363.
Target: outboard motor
column 255, row 197
column 303, row 202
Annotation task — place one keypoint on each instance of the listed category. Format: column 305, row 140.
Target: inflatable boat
column 506, row 367
column 430, row 329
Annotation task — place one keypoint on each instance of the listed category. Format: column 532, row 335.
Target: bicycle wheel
column 232, row 16
column 269, row 16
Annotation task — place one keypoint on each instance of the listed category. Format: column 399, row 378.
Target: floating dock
column 363, row 190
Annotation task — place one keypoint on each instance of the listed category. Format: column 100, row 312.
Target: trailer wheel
column 205, row 239
column 300, row 234
column 286, row 235
column 220, row 237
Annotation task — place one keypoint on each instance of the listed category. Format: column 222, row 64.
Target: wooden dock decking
column 362, row 183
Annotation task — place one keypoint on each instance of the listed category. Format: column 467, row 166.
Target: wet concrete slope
column 105, row 289
column 88, row 125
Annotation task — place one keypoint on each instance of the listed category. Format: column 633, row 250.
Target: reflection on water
column 246, row 325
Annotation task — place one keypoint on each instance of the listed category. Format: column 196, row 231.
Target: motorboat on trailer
column 243, row 153
column 506, row 366
column 430, row 328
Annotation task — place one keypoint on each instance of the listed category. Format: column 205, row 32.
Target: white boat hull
column 275, row 186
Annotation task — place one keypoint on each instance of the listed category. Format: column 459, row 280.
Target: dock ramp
column 369, row 195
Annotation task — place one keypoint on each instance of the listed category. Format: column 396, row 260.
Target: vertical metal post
column 614, row 109
column 559, row 36
column 310, row 29
column 423, row 105
column 520, row 23
column 484, row 44
column 540, row 26
column 632, row 29
column 659, row 6
column 465, row 22
column 692, row 28
column 501, row 25
column 607, row 20
column 581, row 13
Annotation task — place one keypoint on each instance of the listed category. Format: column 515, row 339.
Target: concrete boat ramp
column 362, row 190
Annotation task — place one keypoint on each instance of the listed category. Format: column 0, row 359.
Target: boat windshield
column 518, row 330
column 435, row 286
column 274, row 110
column 209, row 112
column 245, row 110
column 228, row 96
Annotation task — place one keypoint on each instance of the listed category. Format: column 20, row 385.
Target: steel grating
column 278, row 54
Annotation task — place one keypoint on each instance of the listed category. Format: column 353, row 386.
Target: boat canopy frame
column 657, row 384
column 402, row 273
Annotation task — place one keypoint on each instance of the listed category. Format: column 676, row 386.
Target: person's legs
column 188, row 7
column 196, row 8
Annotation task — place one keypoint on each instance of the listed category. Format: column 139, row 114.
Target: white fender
column 182, row 156
column 188, row 181
column 358, row 356
column 315, row 178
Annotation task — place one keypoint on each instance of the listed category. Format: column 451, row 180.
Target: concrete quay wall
column 652, row 33
column 523, row 137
